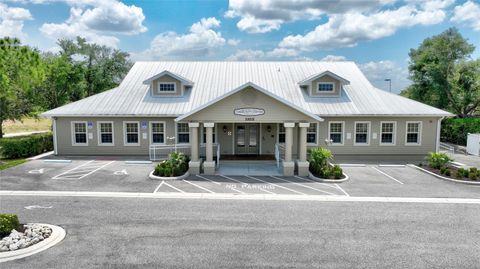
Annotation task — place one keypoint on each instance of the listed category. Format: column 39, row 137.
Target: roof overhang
column 308, row 80
column 258, row 88
column 163, row 73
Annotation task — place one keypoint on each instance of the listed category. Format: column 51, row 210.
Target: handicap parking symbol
column 119, row 173
column 36, row 171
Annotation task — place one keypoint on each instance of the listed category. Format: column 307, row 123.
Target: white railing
column 279, row 153
column 161, row 152
column 447, row 148
column 218, row 155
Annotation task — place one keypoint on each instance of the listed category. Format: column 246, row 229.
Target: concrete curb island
column 323, row 180
column 152, row 176
column 445, row 178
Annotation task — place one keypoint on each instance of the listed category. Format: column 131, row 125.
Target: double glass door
column 246, row 139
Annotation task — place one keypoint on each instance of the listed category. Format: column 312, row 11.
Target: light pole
column 389, row 84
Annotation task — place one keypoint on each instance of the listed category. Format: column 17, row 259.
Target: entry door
column 246, row 139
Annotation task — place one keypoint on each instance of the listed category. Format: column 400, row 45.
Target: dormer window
column 325, row 87
column 167, row 84
column 166, row 87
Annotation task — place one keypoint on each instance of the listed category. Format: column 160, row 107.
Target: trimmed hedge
column 8, row 222
column 455, row 130
column 26, row 146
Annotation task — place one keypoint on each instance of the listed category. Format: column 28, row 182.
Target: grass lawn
column 5, row 164
column 27, row 125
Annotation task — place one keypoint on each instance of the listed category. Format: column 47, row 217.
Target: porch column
column 209, row 164
column 288, row 165
column 302, row 163
column 195, row 162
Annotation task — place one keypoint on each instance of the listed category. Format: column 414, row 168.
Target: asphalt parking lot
column 114, row 175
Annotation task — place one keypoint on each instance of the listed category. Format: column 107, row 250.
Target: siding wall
column 326, row 78
column 166, row 78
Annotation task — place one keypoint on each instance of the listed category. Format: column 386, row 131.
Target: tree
column 21, row 71
column 433, row 66
column 465, row 83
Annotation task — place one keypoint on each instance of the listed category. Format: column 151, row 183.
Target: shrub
column 8, row 222
column 473, row 170
column 337, row 172
column 472, row 176
column 437, row 160
column 448, row 173
column 442, row 170
column 319, row 158
column 176, row 165
column 455, row 130
column 26, row 146
column 460, row 172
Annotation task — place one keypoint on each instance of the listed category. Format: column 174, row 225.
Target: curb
column 311, row 176
column 152, row 176
column 445, row 178
column 58, row 233
column 48, row 153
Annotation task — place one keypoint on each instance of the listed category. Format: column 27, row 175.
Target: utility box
column 473, row 144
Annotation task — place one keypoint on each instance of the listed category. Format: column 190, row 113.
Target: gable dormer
column 167, row 84
column 325, row 84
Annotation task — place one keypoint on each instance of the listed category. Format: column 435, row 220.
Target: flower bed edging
column 58, row 234
column 152, row 176
column 445, row 178
column 311, row 176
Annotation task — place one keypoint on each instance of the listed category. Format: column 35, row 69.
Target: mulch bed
column 453, row 171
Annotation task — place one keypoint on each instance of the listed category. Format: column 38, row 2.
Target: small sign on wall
column 349, row 136
column 144, row 125
column 374, row 136
column 90, row 125
column 90, row 136
column 144, row 135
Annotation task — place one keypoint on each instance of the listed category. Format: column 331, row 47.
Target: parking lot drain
column 57, row 161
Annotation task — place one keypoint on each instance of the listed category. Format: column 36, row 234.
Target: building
column 222, row 109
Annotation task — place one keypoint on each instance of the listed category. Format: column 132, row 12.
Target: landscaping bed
column 320, row 166
column 14, row 236
column 440, row 164
column 175, row 167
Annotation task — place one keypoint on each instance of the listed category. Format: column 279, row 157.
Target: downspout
column 55, row 150
column 439, row 125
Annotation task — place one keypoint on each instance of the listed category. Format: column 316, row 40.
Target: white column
column 194, row 140
column 209, row 142
column 303, row 141
column 288, row 140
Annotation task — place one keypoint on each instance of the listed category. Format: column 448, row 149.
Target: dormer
column 325, row 84
column 167, row 84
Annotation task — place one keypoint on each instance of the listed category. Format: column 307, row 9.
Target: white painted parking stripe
column 314, row 181
column 241, row 182
column 97, row 169
column 391, row 165
column 214, row 182
column 305, row 186
column 198, row 186
column 282, row 187
column 352, row 164
column 177, row 189
column 340, row 188
column 79, row 174
column 158, row 187
column 68, row 171
column 387, row 175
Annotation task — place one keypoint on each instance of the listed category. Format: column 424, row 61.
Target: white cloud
column 333, row 58
column 377, row 72
column 246, row 55
column 253, row 25
column 281, row 52
column 201, row 41
column 98, row 21
column 468, row 13
column 233, row 42
column 12, row 21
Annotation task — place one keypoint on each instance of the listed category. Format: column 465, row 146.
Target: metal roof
column 214, row 79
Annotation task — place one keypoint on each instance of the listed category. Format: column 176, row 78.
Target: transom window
column 105, row 133
column 204, row 136
column 336, row 133
column 325, row 87
column 387, row 133
column 281, row 133
column 131, row 133
column 413, row 133
column 157, row 132
column 166, row 87
column 362, row 135
column 79, row 133
column 183, row 133
column 312, row 133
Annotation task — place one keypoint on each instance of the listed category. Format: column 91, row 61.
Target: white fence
column 161, row 152
column 473, row 144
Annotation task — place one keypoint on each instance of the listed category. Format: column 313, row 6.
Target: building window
column 157, row 132
column 105, row 133
column 387, row 133
column 312, row 134
column 131, row 132
column 204, row 135
column 413, row 133
column 183, row 133
column 79, row 131
column 281, row 133
column 336, row 133
column 325, row 87
column 362, row 130
column 166, row 87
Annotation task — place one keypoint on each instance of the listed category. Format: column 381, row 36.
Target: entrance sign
column 249, row 111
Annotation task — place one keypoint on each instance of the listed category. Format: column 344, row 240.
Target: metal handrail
column 218, row 155
column 278, row 153
column 157, row 151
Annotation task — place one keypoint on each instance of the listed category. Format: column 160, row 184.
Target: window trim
column 150, row 132
column 99, row 134
column 343, row 133
column 167, row 83
column 316, row 135
column 125, row 134
column 420, row 126
column 215, row 135
column 278, row 134
column 394, row 132
column 72, row 129
column 368, row 133
column 177, row 133
column 334, row 84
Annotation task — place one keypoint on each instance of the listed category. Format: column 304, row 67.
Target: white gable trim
column 163, row 73
column 308, row 80
column 258, row 88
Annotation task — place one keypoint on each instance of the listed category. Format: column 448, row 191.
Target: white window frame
column 125, row 134
column 394, row 134
column 202, row 132
column 167, row 83
column 368, row 133
column 72, row 125
column 420, row 126
column 330, row 83
column 177, row 134
column 278, row 133
column 150, row 132
column 316, row 135
column 99, row 134
column 343, row 133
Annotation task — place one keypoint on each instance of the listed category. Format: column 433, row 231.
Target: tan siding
column 167, row 78
column 325, row 78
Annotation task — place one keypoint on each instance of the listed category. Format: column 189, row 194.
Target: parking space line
column 177, row 189
column 200, row 187
column 321, row 183
column 387, row 175
column 66, row 172
column 218, row 183
column 340, row 188
column 97, row 169
column 288, row 189
column 241, row 182
column 77, row 174
column 305, row 186
column 158, row 187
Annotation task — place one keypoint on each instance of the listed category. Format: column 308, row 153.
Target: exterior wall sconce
column 269, row 128
column 225, row 129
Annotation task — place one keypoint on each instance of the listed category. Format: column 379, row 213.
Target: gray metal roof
column 214, row 79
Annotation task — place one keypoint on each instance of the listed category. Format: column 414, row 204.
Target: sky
column 376, row 34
